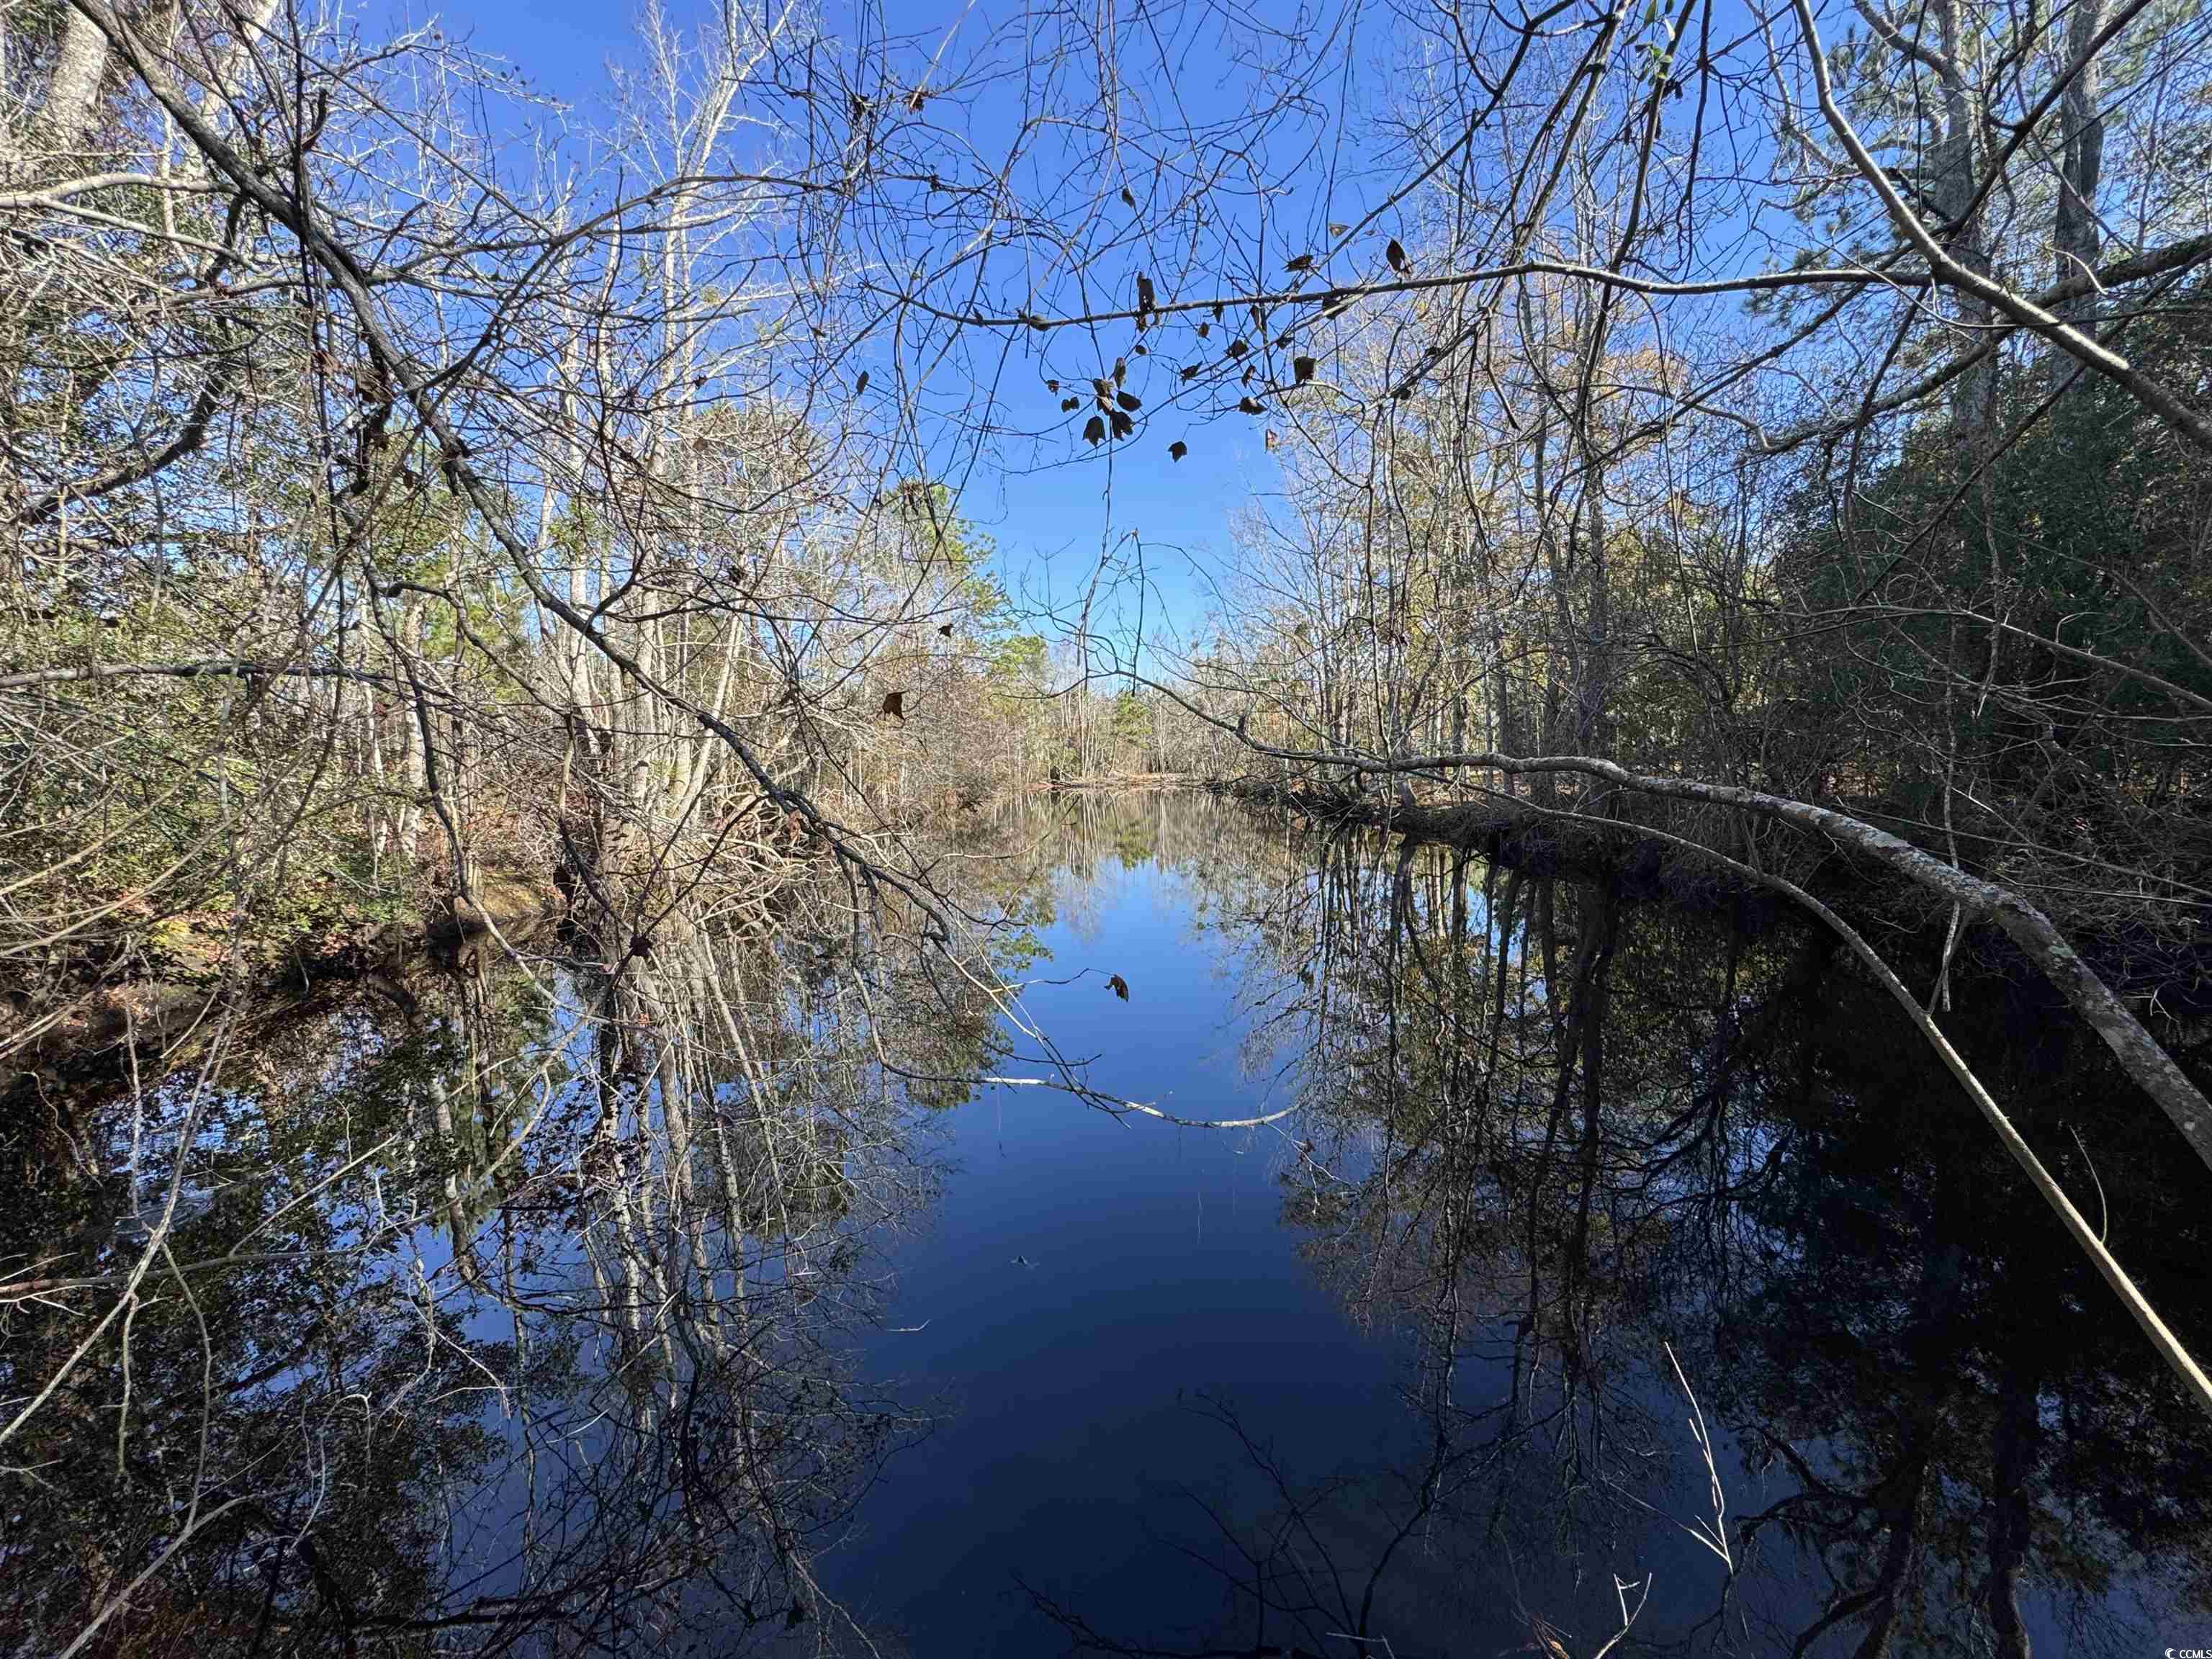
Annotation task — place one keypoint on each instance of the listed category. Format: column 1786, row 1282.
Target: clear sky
column 1051, row 516
column 1262, row 147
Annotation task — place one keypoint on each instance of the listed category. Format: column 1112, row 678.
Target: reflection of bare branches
column 519, row 1325
column 1294, row 1583
column 1547, row 1137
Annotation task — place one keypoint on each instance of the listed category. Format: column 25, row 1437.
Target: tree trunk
column 2075, row 240
column 73, row 94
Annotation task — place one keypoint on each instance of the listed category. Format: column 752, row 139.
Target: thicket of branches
column 387, row 506
column 1783, row 428
column 1803, row 402
column 1870, row 480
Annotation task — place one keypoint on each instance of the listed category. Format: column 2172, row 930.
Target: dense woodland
column 1811, row 407
column 1768, row 440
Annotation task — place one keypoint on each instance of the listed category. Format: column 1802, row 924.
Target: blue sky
column 1269, row 164
column 1050, row 519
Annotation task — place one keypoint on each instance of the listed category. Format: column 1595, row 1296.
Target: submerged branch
column 2036, row 935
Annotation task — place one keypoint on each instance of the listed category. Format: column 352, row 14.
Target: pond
column 1579, row 1263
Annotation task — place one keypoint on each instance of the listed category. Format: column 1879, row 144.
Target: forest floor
column 97, row 1015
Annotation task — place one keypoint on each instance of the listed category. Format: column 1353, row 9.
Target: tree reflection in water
column 518, row 1309
column 504, row 1310
column 1556, row 1132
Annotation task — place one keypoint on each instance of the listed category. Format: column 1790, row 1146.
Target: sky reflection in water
column 1102, row 1402
column 1395, row 1367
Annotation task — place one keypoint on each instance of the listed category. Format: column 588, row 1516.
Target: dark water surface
column 769, row 1328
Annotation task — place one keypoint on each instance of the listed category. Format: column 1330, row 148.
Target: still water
column 1601, row 1262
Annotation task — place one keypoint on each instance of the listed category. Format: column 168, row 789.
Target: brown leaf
column 894, row 703
column 1193, row 371
column 1251, row 405
column 1205, row 329
column 860, row 385
column 1144, row 293
column 1396, row 256
column 944, row 631
column 1301, row 368
column 1118, row 986
column 1051, row 386
column 1339, row 230
column 1127, row 200
column 1094, row 430
column 1178, row 449
column 1128, row 400
column 1069, row 404
column 1237, row 348
column 1123, row 426
column 1273, row 438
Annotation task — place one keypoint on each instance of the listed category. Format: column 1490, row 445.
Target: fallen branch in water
column 2093, row 1245
column 1115, row 1103
column 2037, row 936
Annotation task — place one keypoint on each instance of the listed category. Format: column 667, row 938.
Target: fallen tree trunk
column 1465, row 825
column 2034, row 934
